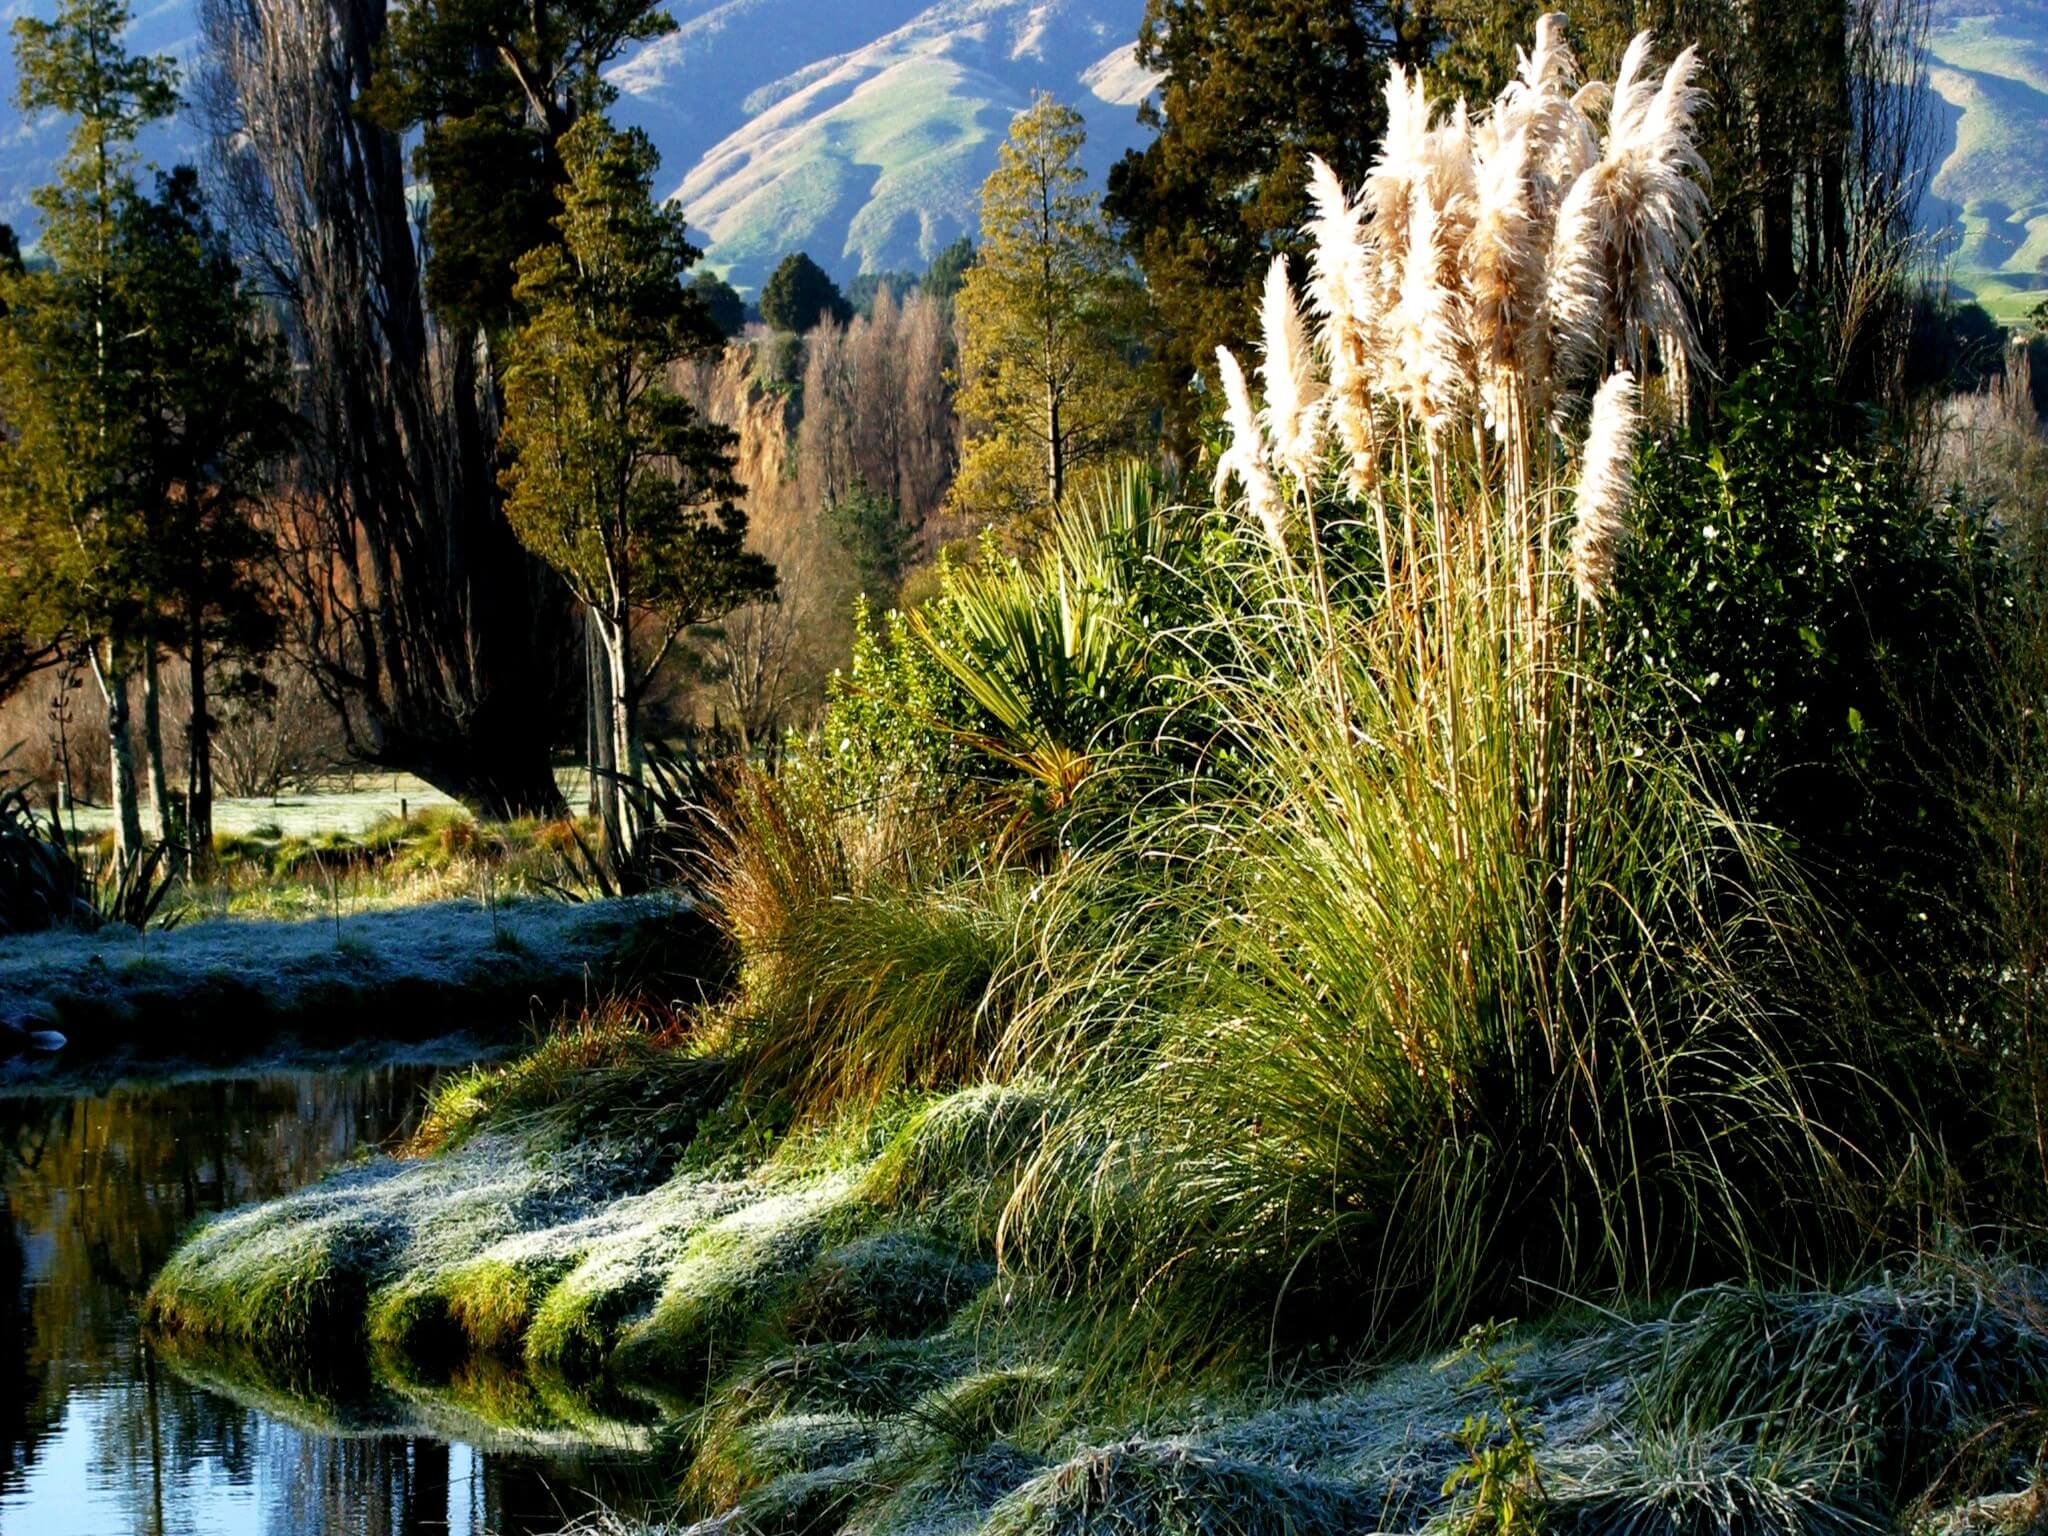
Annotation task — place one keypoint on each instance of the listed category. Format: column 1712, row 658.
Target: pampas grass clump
column 1451, row 997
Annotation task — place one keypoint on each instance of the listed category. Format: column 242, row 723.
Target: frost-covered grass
column 218, row 987
column 817, row 1321
column 280, row 869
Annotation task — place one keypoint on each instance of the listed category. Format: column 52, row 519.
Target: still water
column 98, row 1438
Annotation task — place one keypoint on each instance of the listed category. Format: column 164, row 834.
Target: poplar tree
column 68, row 369
column 615, row 481
column 1050, row 316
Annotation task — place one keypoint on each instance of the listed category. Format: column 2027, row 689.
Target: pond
column 100, row 1438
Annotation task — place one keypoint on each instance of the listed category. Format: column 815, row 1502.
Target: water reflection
column 97, row 1438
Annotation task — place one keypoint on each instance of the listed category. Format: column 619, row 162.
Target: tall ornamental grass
column 1451, row 997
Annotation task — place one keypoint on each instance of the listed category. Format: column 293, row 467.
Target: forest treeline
column 300, row 469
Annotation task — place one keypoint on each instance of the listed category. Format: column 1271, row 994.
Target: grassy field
column 346, row 804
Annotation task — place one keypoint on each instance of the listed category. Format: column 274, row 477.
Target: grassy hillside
column 873, row 158
column 1989, row 199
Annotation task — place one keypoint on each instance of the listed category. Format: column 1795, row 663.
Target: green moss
column 578, row 1322
column 728, row 1279
column 284, row 1289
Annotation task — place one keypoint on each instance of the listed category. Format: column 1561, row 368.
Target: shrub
column 41, row 883
column 1796, row 608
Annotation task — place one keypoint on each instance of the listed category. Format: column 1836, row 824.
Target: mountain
column 861, row 130
column 857, row 130
column 1987, row 205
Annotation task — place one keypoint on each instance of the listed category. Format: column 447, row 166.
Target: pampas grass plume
column 1601, row 503
column 1293, row 391
column 1244, row 457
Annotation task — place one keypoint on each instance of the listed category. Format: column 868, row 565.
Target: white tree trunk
column 153, row 749
column 625, row 752
column 113, row 681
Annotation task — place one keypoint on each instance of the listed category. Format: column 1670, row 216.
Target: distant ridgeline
column 859, row 131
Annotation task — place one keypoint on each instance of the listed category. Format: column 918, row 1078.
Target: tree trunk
column 597, row 712
column 1055, row 452
column 153, row 745
column 618, row 645
column 113, row 681
column 198, row 753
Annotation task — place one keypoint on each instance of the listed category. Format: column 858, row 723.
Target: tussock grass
column 885, row 991
column 599, row 1065
column 728, row 1279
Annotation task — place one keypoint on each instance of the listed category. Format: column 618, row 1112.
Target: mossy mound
column 816, row 1318
column 548, row 1237
column 730, row 1278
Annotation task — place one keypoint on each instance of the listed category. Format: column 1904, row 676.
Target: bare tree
column 930, row 448
column 442, row 647
column 826, row 465
column 756, row 660
column 272, row 734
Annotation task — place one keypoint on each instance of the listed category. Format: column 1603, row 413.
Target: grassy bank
column 608, row 1247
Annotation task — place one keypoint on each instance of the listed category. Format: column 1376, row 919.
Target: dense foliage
column 1051, row 317
column 1797, row 609
column 799, row 294
column 1249, row 90
column 615, row 480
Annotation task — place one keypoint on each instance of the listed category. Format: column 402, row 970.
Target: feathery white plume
column 1627, row 228
column 1606, row 482
column 1244, row 457
column 1344, row 294
column 1391, row 184
column 1504, row 260
column 1288, row 366
column 1431, row 349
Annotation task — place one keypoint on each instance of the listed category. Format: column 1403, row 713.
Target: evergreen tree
column 211, row 425
column 722, row 303
column 69, row 366
column 1248, row 90
column 493, row 85
column 1050, row 319
column 942, row 279
column 870, row 528
column 615, row 480
column 799, row 293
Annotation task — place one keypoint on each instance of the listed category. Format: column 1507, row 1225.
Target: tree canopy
column 722, row 303
column 1050, row 319
column 493, row 85
column 614, row 479
column 799, row 293
column 1249, row 89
